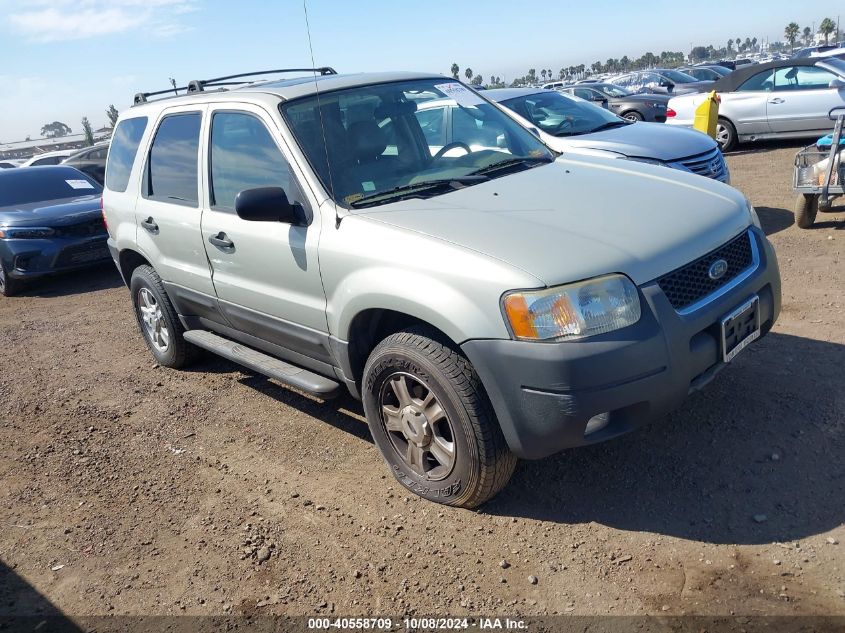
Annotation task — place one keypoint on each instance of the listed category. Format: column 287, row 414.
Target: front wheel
column 431, row 420
column 806, row 207
column 9, row 287
column 725, row 135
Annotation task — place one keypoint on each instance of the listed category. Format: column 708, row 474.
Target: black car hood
column 51, row 212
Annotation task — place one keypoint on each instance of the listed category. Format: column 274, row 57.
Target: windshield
column 614, row 91
column 27, row 185
column 394, row 137
column 559, row 115
column 677, row 76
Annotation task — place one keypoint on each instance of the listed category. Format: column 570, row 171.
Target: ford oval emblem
column 717, row 269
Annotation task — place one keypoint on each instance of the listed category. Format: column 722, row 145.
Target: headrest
column 367, row 139
column 394, row 109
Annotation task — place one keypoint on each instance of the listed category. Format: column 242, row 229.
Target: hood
column 645, row 140
column 581, row 217
column 51, row 212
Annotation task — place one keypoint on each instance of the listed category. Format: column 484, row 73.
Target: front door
column 801, row 99
column 266, row 274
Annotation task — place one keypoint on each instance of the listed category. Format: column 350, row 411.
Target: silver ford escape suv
column 486, row 298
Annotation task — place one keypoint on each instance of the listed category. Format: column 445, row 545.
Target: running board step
column 264, row 364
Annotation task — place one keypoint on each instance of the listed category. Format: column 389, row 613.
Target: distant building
column 28, row 149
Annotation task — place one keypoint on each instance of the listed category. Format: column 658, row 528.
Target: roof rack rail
column 198, row 85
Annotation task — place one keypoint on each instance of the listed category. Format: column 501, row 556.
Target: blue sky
column 65, row 59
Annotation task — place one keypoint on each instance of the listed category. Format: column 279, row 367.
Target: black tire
column 806, row 208
column 482, row 463
column 8, row 287
column 633, row 115
column 178, row 352
column 728, row 133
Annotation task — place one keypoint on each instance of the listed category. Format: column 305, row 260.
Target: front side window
column 676, row 76
column 802, row 78
column 368, row 145
column 124, row 146
column 558, row 115
column 172, row 163
column 243, row 155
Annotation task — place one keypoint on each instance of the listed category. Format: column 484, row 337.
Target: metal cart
column 819, row 175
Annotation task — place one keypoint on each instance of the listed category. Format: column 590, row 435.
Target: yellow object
column 707, row 114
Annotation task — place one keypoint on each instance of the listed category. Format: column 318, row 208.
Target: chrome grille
column 690, row 283
column 710, row 164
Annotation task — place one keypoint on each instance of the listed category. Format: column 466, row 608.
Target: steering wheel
column 567, row 122
column 453, row 145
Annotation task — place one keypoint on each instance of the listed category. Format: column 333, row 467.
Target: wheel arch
column 128, row 261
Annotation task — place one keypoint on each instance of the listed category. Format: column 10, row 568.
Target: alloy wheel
column 153, row 320
column 417, row 425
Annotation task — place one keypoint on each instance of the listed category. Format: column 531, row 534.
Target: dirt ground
column 126, row 488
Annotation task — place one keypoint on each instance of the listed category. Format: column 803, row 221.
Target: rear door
column 168, row 209
column 801, row 99
column 266, row 274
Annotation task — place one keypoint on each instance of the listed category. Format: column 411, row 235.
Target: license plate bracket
column 740, row 328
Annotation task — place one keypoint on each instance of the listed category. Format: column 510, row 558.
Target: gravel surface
column 127, row 488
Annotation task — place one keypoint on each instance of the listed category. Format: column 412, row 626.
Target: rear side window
column 760, row 81
column 171, row 174
column 124, row 146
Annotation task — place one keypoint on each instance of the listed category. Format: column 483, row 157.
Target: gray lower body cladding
column 545, row 395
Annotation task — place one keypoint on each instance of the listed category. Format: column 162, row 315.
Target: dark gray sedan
column 622, row 102
column 50, row 221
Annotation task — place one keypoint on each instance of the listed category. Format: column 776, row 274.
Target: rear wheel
column 725, row 135
column 633, row 115
column 806, row 208
column 158, row 321
column 432, row 421
column 9, row 287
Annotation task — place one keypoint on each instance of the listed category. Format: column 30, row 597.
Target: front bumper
column 28, row 259
column 544, row 394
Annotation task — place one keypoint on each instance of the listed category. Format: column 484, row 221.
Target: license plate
column 740, row 328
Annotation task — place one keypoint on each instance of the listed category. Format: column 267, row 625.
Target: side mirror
column 836, row 83
column 266, row 204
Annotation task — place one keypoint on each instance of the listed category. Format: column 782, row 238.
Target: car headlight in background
column 755, row 219
column 26, row 233
column 573, row 311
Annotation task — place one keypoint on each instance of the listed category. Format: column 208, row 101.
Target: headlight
column 574, row 311
column 26, row 233
column 755, row 219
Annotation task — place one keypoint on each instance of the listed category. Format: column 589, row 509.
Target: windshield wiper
column 419, row 190
column 607, row 126
column 526, row 161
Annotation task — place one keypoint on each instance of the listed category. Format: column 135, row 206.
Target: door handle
column 150, row 225
column 221, row 240
column 776, row 100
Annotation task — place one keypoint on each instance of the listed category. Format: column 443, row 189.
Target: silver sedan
column 788, row 98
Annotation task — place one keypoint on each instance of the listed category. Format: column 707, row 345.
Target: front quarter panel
column 367, row 264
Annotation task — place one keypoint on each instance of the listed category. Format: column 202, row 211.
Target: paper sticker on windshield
column 460, row 94
column 80, row 184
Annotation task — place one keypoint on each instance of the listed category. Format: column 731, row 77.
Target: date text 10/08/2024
column 416, row 624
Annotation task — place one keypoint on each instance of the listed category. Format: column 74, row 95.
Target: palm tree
column 543, row 74
column 790, row 33
column 754, row 43
column 808, row 35
column 827, row 27
column 455, row 70
column 730, row 45
column 468, row 74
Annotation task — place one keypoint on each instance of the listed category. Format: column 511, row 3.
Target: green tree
column 88, row 131
column 827, row 27
column 468, row 74
column 455, row 70
column 790, row 33
column 532, row 76
column 730, row 45
column 112, row 115
column 55, row 130
column 808, row 35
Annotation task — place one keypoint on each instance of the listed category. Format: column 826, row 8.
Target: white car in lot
column 49, row 158
column 789, row 98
